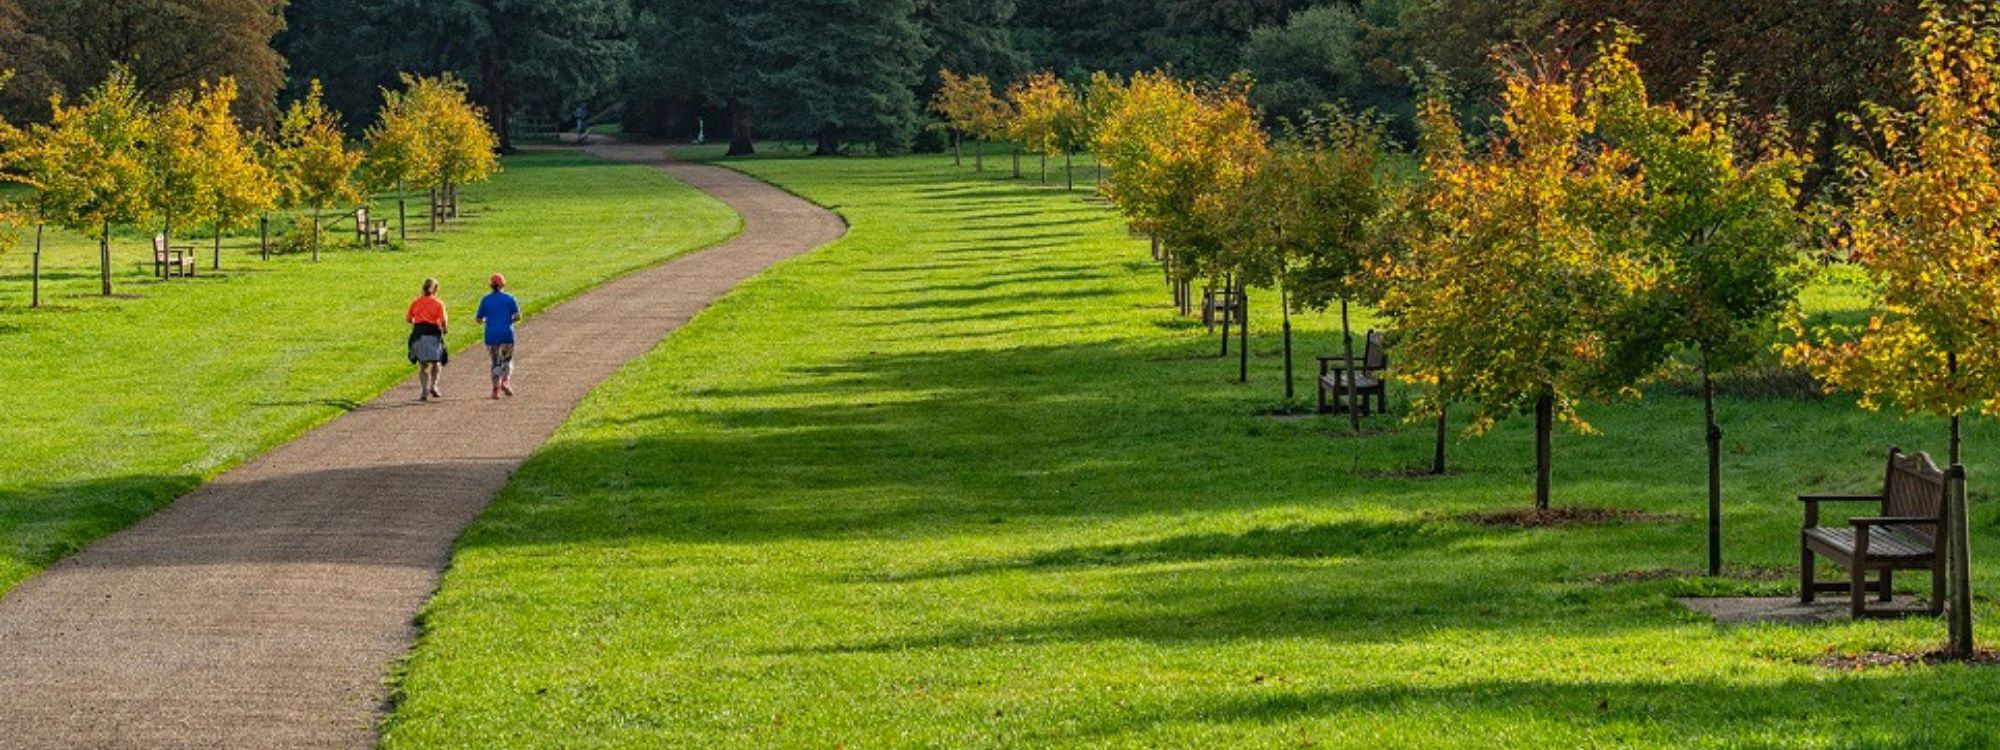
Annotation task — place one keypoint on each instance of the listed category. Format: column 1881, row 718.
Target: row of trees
column 1041, row 114
column 1596, row 234
column 112, row 159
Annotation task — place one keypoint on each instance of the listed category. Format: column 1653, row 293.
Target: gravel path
column 265, row 609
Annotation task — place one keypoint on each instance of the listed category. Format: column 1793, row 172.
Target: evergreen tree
column 838, row 71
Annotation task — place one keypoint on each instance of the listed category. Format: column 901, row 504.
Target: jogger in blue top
column 499, row 312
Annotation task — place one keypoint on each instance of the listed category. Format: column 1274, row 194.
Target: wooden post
column 402, row 215
column 104, row 257
column 1285, row 311
column 1545, row 417
column 1714, row 436
column 35, row 296
column 1958, row 549
column 315, row 234
column 1443, row 427
column 1243, row 335
column 218, row 246
column 1353, row 382
column 264, row 236
column 434, row 208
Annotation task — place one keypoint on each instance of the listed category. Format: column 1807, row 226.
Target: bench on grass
column 1221, row 306
column 370, row 232
column 1904, row 534
column 172, row 260
column 1336, row 370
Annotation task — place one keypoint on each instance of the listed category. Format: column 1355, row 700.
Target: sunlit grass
column 111, row 407
column 962, row 480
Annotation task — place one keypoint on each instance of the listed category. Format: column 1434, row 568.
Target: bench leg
column 1806, row 583
column 1937, row 588
column 1888, row 592
column 1858, row 594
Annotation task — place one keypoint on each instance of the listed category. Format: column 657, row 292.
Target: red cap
column 499, row 280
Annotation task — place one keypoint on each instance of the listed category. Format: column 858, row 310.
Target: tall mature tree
column 1717, row 231
column 91, row 163
column 514, row 54
column 838, row 71
column 313, row 164
column 697, row 51
column 1924, row 223
column 969, row 35
column 166, row 45
column 1341, row 53
column 1507, row 285
column 235, row 185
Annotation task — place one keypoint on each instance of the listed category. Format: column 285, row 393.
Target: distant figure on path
column 582, row 123
column 428, row 326
column 499, row 312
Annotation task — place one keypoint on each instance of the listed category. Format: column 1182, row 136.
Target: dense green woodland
column 853, row 72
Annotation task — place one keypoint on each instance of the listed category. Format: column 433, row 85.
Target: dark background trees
column 853, row 70
column 69, row 46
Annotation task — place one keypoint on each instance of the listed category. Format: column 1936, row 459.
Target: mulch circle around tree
column 1879, row 659
column 1531, row 518
column 1668, row 574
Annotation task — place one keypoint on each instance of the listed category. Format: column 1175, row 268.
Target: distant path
column 264, row 610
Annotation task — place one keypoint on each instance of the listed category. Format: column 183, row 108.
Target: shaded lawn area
column 112, row 407
column 961, row 480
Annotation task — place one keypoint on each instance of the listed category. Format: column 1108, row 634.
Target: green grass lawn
column 112, row 407
column 965, row 482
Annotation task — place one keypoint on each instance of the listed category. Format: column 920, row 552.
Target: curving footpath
column 265, row 609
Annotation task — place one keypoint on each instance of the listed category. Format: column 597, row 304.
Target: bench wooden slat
column 1886, row 543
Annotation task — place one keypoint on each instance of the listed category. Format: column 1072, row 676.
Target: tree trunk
column 1443, row 431
column 978, row 155
column 1959, row 549
column 1957, row 437
column 957, row 149
column 829, row 143
column 434, row 208
column 1227, row 285
column 1545, row 418
column 1285, row 312
column 264, row 235
column 1353, row 387
column 1045, row 167
column 740, row 143
column 1243, row 335
column 1714, row 436
column 402, row 215
column 1069, row 172
column 35, row 293
column 104, row 257
column 315, row 236
column 218, row 246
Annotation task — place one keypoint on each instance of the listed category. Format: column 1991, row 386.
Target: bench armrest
column 1860, row 521
column 1837, row 497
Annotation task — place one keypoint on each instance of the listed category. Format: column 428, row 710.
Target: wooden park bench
column 1904, row 534
column 1335, row 371
column 370, row 232
column 172, row 260
column 1221, row 306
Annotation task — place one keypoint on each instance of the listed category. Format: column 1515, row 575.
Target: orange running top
column 427, row 309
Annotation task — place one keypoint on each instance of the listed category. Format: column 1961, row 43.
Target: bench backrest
column 361, row 218
column 159, row 246
column 1914, row 488
column 1375, row 356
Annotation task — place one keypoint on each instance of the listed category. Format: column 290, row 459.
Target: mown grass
column 962, row 480
column 112, row 407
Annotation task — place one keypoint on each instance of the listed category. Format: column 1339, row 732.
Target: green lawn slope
column 961, row 480
column 112, row 407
